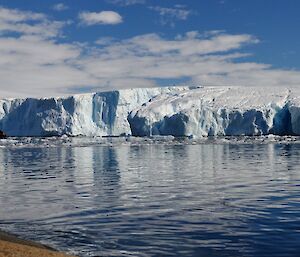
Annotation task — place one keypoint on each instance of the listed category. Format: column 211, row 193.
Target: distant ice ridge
column 177, row 111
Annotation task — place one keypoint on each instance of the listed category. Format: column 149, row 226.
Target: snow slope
column 177, row 111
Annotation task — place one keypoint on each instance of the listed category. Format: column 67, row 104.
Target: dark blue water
column 155, row 200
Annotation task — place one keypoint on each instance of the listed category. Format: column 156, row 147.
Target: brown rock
column 13, row 246
column 9, row 249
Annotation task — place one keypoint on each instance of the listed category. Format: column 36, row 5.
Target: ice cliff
column 99, row 114
column 177, row 111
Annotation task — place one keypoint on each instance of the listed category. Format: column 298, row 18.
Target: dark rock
column 2, row 135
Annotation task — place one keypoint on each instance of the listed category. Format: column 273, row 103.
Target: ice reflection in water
column 153, row 200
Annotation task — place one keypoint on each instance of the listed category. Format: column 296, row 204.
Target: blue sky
column 64, row 47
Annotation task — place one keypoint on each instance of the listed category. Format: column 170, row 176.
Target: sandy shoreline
column 13, row 246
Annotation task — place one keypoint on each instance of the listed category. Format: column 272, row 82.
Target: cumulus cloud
column 126, row 2
column 190, row 44
column 150, row 57
column 60, row 7
column 14, row 16
column 34, row 61
column 28, row 23
column 104, row 17
column 168, row 15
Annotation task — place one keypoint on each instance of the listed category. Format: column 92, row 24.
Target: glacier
column 177, row 111
column 94, row 114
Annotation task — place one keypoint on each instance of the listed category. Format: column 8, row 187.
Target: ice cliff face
column 177, row 111
column 215, row 111
column 99, row 114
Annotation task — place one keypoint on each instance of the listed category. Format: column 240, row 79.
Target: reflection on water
column 153, row 200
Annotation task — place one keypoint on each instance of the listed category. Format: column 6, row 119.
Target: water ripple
column 154, row 200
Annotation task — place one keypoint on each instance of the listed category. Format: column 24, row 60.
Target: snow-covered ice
column 176, row 111
column 218, row 111
column 96, row 114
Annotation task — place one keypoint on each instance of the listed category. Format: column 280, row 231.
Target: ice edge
column 176, row 111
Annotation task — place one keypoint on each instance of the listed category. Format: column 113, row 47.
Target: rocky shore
column 13, row 246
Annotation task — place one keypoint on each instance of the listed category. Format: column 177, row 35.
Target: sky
column 63, row 47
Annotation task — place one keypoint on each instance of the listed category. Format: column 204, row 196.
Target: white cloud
column 34, row 62
column 14, row 16
column 190, row 44
column 28, row 23
column 60, row 7
column 169, row 15
column 126, row 2
column 151, row 57
column 104, row 17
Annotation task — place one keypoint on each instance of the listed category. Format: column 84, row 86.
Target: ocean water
column 91, row 197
